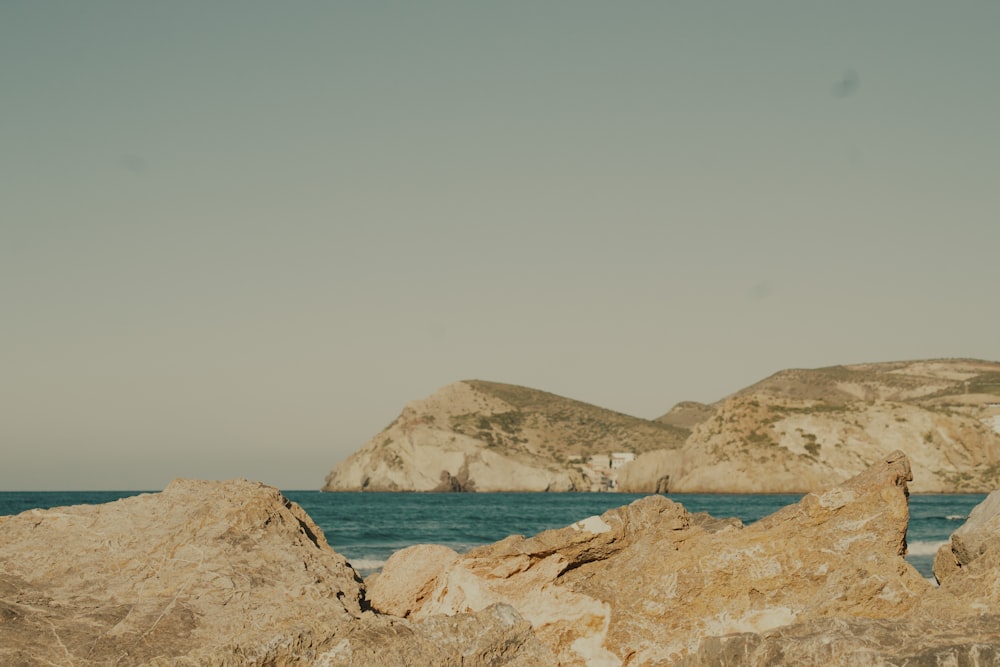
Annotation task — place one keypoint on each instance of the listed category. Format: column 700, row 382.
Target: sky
column 237, row 237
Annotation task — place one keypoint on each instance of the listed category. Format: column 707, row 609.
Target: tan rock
column 642, row 585
column 650, row 472
column 497, row 636
column 212, row 573
column 524, row 572
column 970, row 641
column 198, row 571
column 404, row 586
column 972, row 538
column 955, row 624
column 835, row 553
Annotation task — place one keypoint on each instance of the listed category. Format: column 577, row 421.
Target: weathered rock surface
column 980, row 532
column 797, row 431
column 970, row 641
column 487, row 436
column 801, row 430
column 643, row 584
column 227, row 573
column 232, row 573
column 497, row 636
column 957, row 623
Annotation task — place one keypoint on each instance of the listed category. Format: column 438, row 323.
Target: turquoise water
column 368, row 527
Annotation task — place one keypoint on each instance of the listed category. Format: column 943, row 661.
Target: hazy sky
column 236, row 237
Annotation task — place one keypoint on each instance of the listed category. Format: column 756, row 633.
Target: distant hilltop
column 796, row 431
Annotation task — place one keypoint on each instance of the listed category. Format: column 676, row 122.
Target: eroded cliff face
column 422, row 450
column 800, row 430
column 481, row 436
column 794, row 432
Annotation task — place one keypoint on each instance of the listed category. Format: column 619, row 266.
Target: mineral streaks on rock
column 232, row 573
column 647, row 588
column 200, row 570
column 211, row 573
column 980, row 532
column 954, row 624
column 972, row 641
column 497, row 636
column 837, row 553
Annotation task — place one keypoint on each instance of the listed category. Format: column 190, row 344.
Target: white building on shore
column 618, row 459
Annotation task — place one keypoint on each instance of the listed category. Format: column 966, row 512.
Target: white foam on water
column 923, row 548
column 367, row 563
column 955, row 517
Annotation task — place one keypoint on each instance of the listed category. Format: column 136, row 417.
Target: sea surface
column 368, row 527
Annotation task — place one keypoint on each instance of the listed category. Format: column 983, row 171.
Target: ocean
column 368, row 527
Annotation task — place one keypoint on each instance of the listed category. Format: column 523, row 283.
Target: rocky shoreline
column 232, row 573
column 797, row 431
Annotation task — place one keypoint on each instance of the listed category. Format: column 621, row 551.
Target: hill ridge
column 793, row 431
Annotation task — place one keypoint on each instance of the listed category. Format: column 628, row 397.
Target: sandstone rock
column 642, row 585
column 970, row 541
column 494, row 637
column 202, row 571
column 523, row 572
column 220, row 573
column 404, row 586
column 650, row 472
column 955, row 624
column 838, row 642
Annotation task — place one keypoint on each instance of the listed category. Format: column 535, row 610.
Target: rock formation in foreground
column 823, row 580
column 232, row 573
column 957, row 623
column 212, row 573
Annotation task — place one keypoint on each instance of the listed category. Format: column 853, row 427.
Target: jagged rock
column 955, row 624
column 202, row 571
column 400, row 589
column 494, row 637
column 972, row 538
column 220, row 573
column 838, row 642
column 523, row 571
column 642, row 585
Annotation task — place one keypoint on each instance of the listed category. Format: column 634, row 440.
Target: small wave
column 923, row 548
column 955, row 517
column 367, row 563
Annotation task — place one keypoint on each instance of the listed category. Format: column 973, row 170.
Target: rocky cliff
column 487, row 436
column 800, row 430
column 795, row 431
